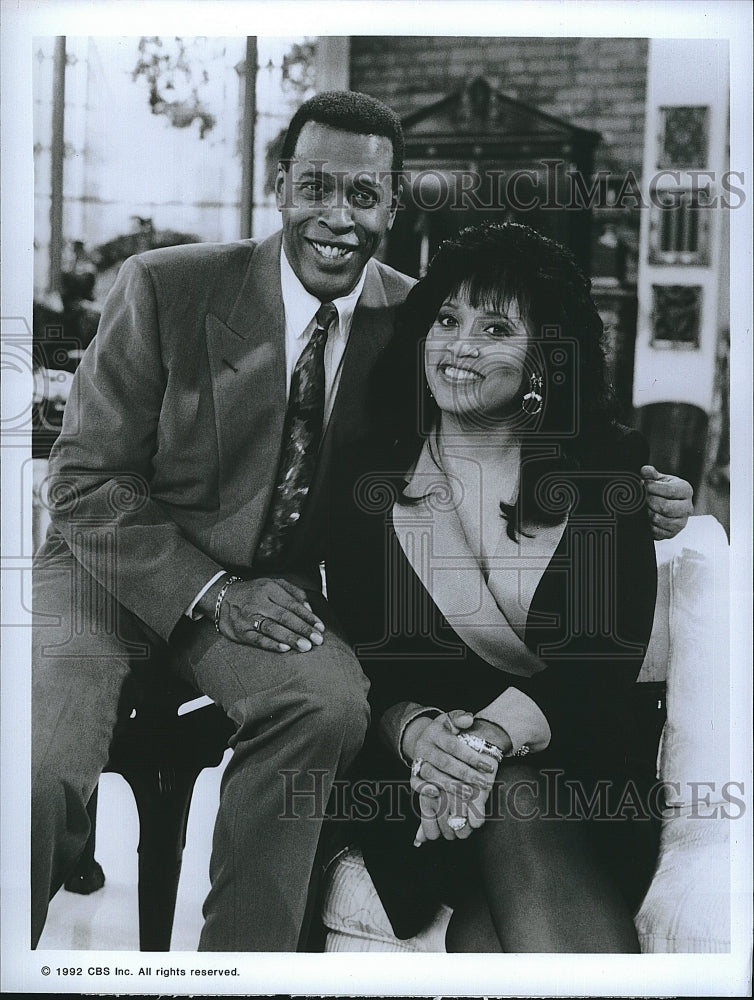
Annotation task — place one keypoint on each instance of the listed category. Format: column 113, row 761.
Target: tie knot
column 326, row 314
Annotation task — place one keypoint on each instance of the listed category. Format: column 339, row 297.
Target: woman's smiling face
column 475, row 357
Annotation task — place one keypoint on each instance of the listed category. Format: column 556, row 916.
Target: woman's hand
column 452, row 779
column 436, row 809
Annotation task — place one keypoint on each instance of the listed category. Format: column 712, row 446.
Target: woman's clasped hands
column 453, row 781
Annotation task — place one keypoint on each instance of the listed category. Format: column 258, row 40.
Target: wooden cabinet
column 477, row 154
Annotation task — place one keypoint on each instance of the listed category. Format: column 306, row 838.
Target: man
column 179, row 522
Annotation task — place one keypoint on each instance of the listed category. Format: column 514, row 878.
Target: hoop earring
column 532, row 401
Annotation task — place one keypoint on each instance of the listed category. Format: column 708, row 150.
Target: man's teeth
column 332, row 253
column 462, row 374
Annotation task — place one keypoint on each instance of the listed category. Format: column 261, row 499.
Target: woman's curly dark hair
column 492, row 265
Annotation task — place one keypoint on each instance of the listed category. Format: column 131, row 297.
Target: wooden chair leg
column 87, row 877
column 163, row 796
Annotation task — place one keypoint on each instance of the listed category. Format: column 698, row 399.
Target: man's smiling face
column 336, row 199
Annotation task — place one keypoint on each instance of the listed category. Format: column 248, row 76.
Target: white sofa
column 687, row 907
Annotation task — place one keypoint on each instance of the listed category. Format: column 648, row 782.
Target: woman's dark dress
column 590, row 620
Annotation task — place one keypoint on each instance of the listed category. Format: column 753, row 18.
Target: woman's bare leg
column 545, row 888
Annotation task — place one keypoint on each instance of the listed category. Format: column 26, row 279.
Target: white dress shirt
column 300, row 311
column 300, row 308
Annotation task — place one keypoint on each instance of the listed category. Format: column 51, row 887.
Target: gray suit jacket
column 166, row 464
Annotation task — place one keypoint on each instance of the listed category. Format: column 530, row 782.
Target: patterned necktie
column 302, row 432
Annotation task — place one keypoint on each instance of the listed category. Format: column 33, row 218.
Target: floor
column 108, row 919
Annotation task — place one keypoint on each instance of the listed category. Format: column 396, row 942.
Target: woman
column 509, row 615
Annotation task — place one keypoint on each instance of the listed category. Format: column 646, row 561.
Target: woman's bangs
column 494, row 293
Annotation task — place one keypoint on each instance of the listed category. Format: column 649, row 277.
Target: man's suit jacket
column 166, row 464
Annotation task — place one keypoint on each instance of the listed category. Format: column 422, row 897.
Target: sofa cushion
column 696, row 741
column 687, row 907
column 356, row 919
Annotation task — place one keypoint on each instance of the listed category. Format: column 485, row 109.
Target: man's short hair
column 349, row 111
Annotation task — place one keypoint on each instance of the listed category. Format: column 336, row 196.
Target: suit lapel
column 246, row 353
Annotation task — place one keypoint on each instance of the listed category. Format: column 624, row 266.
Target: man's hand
column 287, row 620
column 669, row 500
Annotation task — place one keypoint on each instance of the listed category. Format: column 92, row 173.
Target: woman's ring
column 416, row 766
column 256, row 625
column 456, row 823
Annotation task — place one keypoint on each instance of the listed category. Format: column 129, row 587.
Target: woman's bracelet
column 221, row 597
column 481, row 745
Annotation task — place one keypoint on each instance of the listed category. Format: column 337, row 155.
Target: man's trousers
column 294, row 712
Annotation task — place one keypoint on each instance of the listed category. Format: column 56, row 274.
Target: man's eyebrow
column 314, row 171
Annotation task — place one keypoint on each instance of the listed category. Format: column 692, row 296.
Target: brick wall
column 598, row 83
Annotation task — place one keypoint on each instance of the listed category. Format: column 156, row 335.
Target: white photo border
column 364, row 974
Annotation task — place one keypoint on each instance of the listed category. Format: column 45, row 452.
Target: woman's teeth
column 332, row 253
column 460, row 374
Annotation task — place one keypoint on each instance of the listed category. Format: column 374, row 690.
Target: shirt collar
column 301, row 306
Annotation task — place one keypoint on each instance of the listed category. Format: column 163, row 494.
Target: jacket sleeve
column 100, row 467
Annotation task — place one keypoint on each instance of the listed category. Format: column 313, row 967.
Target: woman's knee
column 520, row 793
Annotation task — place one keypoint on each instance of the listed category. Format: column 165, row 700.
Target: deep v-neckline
column 460, row 475
column 430, row 534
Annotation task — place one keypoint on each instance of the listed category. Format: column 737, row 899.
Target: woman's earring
column 428, row 390
column 532, row 401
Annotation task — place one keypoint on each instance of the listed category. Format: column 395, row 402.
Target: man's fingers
column 669, row 508
column 672, row 489
column 251, row 637
column 659, row 535
column 278, row 605
column 247, row 626
column 664, row 525
column 291, row 588
column 296, row 625
column 271, row 629
column 282, row 599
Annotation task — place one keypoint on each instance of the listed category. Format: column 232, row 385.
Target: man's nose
column 337, row 215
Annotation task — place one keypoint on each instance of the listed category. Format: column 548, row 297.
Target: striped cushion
column 356, row 919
